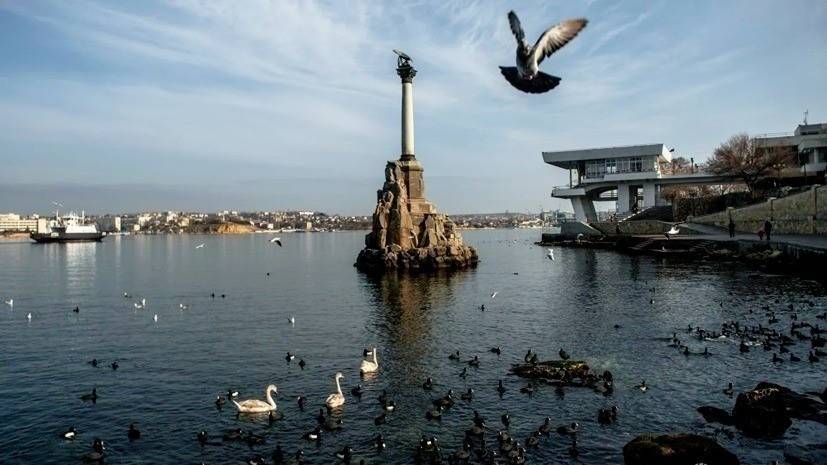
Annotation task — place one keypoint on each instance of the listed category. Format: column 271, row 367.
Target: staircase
column 640, row 247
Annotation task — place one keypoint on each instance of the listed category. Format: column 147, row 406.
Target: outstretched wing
column 516, row 28
column 556, row 37
column 541, row 83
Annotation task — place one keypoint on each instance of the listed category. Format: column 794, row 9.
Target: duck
column 545, row 428
column 321, row 417
column 381, row 419
column 345, row 454
column 257, row 460
column 729, row 390
column 495, row 350
column 301, row 400
column 289, row 357
column 93, row 396
column 812, row 357
column 474, row 362
column 506, row 420
column 528, row 389
column 93, row 362
column 434, row 413
column 219, row 401
column 337, row 399
column 467, row 396
column 370, row 366
column 464, row 373
column 527, row 356
column 573, row 452
column 563, row 354
column 643, row 386
column 231, row 393
column 454, row 356
column 253, row 439
column 133, row 433
column 357, row 391
column 114, row 365
column 463, row 455
column 314, row 435
column 794, row 358
column 379, row 443
column 533, row 440
column 446, row 401
column 604, row 416
column 202, row 437
column 568, row 430
column 500, row 388
column 76, row 309
column 97, row 453
column 302, row 364
column 298, row 458
column 776, row 358
column 428, row 384
column 258, row 406
column 333, row 424
column 70, row 433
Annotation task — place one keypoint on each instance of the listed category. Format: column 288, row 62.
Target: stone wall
column 633, row 227
column 802, row 213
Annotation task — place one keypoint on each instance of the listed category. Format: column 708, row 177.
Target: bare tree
column 742, row 158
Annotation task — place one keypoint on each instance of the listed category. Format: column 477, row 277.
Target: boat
column 68, row 228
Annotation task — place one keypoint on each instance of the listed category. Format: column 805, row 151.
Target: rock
column 716, row 415
column 761, row 412
column 408, row 238
column 767, row 410
column 565, row 372
column 676, row 449
column 806, row 455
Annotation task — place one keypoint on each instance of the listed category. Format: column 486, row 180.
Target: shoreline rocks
column 676, row 449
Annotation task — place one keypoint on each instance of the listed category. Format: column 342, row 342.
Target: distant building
column 13, row 222
column 809, row 141
column 109, row 223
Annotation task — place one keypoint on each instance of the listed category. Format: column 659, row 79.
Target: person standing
column 731, row 228
column 767, row 229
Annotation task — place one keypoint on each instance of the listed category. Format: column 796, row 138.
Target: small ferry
column 68, row 228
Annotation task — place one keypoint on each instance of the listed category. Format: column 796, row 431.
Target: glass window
column 611, row 166
column 635, row 164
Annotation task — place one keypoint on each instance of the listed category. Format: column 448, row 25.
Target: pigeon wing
column 516, row 28
column 541, row 83
column 556, row 37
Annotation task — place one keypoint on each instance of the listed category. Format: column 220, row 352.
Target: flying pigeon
column 526, row 76
column 200, row 246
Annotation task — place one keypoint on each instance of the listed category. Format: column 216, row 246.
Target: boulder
column 761, row 412
column 676, row 449
column 558, row 371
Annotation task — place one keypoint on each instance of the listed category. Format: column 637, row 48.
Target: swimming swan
column 258, row 406
column 337, row 398
column 368, row 366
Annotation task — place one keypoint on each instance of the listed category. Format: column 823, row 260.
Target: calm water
column 171, row 370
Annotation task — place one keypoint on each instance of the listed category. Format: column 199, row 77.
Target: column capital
column 406, row 72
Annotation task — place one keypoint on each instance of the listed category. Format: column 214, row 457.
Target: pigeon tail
column 541, row 83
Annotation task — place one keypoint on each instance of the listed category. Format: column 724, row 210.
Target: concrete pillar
column 584, row 209
column 407, row 120
column 623, row 201
column 649, row 195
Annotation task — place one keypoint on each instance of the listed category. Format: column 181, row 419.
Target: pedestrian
column 767, row 229
column 761, row 234
column 731, row 228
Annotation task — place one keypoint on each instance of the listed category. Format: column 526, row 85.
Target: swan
column 337, row 398
column 368, row 366
column 258, row 406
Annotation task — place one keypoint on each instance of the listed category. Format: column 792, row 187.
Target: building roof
column 568, row 158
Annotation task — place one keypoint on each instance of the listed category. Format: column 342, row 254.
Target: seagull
column 10, row 303
column 277, row 240
column 494, row 294
column 200, row 246
column 526, row 76
column 292, row 321
column 550, row 254
column 155, row 317
column 29, row 316
column 183, row 307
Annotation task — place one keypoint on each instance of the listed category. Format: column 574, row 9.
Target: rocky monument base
column 411, row 236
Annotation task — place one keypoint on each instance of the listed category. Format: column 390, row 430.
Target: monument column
column 407, row 73
column 412, row 170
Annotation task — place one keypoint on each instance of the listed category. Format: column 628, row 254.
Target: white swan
column 368, row 366
column 337, row 398
column 258, row 406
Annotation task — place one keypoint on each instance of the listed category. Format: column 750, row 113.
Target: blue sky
column 207, row 105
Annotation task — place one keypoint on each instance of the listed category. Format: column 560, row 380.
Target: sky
column 120, row 106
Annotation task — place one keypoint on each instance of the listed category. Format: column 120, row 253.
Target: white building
column 13, row 222
column 809, row 141
column 631, row 175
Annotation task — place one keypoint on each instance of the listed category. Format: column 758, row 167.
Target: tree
column 742, row 158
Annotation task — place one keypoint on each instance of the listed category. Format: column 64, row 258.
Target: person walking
column 731, row 228
column 767, row 229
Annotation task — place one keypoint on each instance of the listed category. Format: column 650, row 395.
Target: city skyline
column 206, row 107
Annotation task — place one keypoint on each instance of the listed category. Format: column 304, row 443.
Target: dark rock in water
column 569, row 372
column 761, row 412
column 767, row 409
column 806, row 455
column 676, row 449
column 716, row 415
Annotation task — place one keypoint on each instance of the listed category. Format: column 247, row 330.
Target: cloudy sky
column 208, row 105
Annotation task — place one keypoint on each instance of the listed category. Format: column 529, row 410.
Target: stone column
column 407, row 73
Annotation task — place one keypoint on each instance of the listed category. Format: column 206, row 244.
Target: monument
column 408, row 233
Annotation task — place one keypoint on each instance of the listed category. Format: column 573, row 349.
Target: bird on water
column 526, row 76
